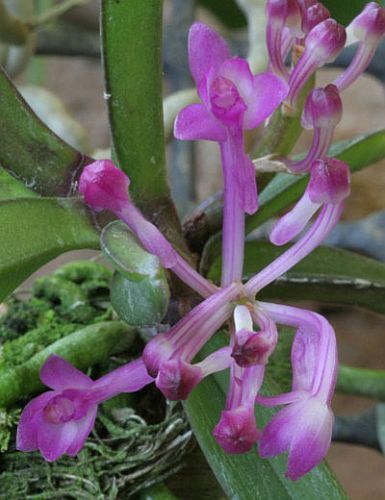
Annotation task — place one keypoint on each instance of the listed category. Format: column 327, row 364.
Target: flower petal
column 268, row 92
column 59, row 374
column 277, row 435
column 304, row 359
column 294, row 221
column 54, row 439
column 303, row 429
column 206, row 50
column 310, row 446
column 130, row 377
column 30, row 421
column 236, row 431
column 84, row 427
column 195, row 123
column 237, row 70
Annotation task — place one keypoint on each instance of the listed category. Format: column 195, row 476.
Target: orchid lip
column 226, row 103
column 59, row 410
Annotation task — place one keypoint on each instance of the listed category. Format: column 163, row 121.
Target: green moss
column 74, row 296
column 8, row 421
column 20, row 350
column 21, row 317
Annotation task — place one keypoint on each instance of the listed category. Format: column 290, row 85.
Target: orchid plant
column 232, row 101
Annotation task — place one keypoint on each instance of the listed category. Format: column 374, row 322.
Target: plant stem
column 132, row 43
column 362, row 382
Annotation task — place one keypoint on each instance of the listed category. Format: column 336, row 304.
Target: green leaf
column 285, row 189
column 11, row 188
column 36, row 230
column 132, row 41
column 30, row 151
column 156, row 492
column 227, row 11
column 140, row 303
column 125, row 253
column 344, row 11
column 326, row 275
column 247, row 476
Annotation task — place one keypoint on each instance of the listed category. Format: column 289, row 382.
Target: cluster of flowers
column 233, row 100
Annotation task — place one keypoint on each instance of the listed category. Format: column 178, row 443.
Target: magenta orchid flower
column 105, row 187
column 168, row 356
column 59, row 421
column 233, row 100
column 322, row 112
column 368, row 28
column 236, row 431
column 304, row 426
column 329, row 185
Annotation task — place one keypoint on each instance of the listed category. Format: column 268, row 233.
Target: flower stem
column 327, row 219
column 233, row 238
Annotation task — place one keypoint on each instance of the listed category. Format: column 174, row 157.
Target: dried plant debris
column 123, row 455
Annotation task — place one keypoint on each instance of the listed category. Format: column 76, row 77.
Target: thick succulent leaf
column 11, row 188
column 327, row 275
column 247, row 476
column 285, row 189
column 30, row 151
column 140, row 303
column 36, row 230
column 132, row 41
column 123, row 250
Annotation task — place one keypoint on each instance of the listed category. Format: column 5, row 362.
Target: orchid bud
column 325, row 41
column 285, row 13
column 369, row 26
column 305, row 4
column 322, row 45
column 323, row 108
column 329, row 181
column 369, row 29
column 104, row 186
column 313, row 16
